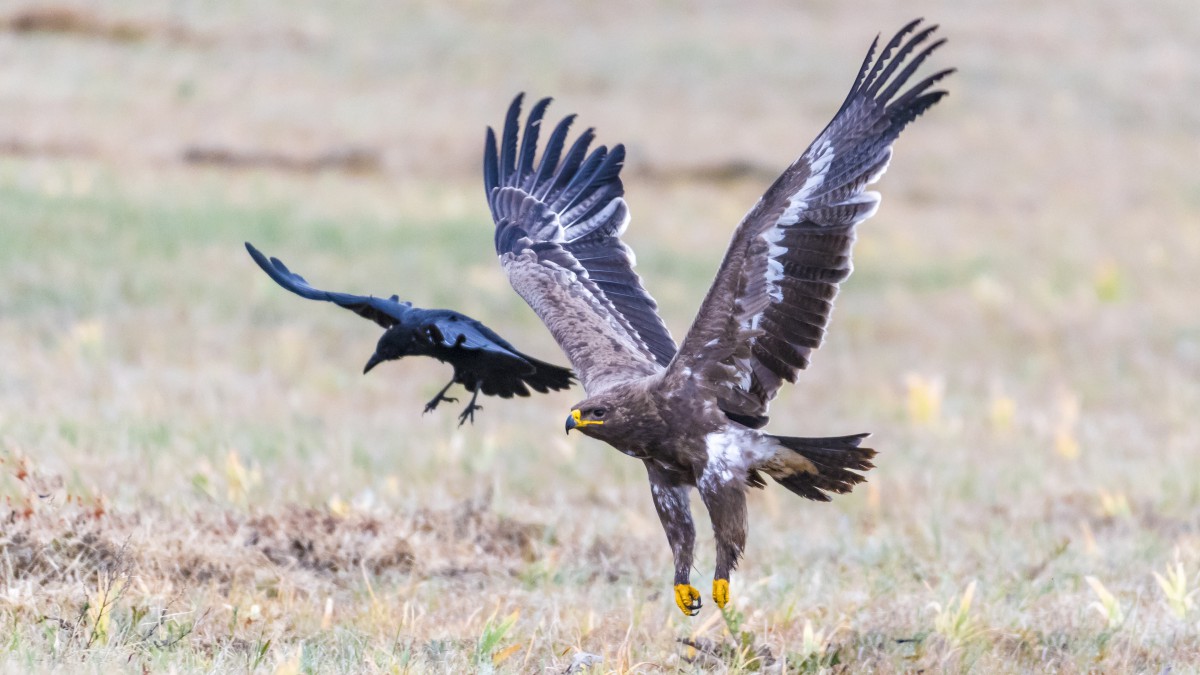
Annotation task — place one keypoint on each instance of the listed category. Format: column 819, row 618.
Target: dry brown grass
column 195, row 478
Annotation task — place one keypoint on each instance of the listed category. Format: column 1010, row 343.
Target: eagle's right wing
column 558, row 228
column 773, row 295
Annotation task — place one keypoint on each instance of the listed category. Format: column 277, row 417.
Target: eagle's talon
column 721, row 592
column 688, row 599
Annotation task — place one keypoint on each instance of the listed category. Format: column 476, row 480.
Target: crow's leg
column 441, row 396
column 468, row 413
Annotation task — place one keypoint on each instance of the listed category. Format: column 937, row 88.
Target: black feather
column 551, row 155
column 491, row 164
column 835, row 459
column 508, row 145
column 570, row 164
column 578, row 187
column 887, row 94
column 885, row 54
column 529, row 141
column 898, row 59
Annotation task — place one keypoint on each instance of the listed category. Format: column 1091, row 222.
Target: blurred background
column 1020, row 334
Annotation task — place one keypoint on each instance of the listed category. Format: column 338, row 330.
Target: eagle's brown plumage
column 693, row 415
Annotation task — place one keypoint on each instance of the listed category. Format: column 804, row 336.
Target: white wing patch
column 819, row 166
column 823, row 156
column 731, row 453
column 774, row 268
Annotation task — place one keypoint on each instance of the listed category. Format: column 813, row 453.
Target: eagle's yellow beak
column 575, row 420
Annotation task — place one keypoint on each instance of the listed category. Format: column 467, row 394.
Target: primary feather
column 565, row 215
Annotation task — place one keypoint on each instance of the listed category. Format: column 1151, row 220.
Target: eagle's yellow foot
column 721, row 592
column 688, row 599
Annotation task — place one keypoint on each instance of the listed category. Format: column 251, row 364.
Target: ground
column 196, row 477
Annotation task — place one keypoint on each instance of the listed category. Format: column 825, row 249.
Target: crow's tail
column 547, row 376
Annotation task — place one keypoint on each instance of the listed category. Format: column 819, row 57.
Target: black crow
column 483, row 361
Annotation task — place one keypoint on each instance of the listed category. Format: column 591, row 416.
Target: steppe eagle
column 693, row 415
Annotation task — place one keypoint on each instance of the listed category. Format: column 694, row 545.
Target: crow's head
column 396, row 342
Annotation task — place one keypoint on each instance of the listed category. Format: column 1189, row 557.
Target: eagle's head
column 396, row 342
column 602, row 416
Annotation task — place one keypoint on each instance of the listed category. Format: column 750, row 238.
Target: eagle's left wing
column 771, row 301
column 558, row 234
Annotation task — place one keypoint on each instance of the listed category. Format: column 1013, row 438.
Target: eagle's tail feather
column 831, row 465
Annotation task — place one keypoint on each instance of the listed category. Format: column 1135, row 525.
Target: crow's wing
column 771, row 301
column 503, row 370
column 558, row 226
column 386, row 312
column 452, row 330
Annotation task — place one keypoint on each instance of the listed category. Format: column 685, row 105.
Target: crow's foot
column 468, row 413
column 433, row 404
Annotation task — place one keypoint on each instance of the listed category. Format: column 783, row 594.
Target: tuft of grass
column 1107, row 605
column 1177, row 594
column 487, row 647
column 815, row 655
column 954, row 621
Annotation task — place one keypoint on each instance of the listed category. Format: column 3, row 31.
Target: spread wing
column 771, row 301
column 558, row 234
column 386, row 312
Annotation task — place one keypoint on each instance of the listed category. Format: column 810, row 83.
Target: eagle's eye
column 598, row 412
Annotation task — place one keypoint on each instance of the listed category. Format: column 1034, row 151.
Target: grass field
column 196, row 478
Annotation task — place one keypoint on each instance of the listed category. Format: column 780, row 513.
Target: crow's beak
column 375, row 360
column 572, row 420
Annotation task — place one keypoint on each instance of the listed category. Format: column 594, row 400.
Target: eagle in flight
column 693, row 415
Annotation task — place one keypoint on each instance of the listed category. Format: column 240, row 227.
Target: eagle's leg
column 441, row 396
column 671, row 502
column 726, row 503
column 468, row 412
